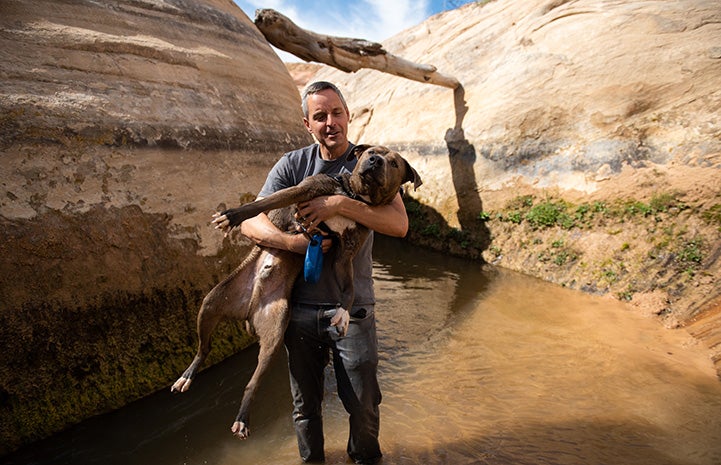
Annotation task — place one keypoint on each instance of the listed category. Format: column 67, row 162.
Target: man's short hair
column 316, row 87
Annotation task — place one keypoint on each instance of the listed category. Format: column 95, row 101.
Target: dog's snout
column 375, row 160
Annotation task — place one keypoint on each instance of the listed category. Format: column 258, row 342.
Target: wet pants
column 310, row 341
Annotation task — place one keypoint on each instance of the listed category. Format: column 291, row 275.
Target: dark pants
column 310, row 341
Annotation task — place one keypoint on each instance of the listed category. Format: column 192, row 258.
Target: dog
column 258, row 291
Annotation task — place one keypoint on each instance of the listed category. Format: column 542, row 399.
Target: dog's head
column 380, row 173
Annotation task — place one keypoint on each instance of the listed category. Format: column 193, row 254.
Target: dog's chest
column 339, row 224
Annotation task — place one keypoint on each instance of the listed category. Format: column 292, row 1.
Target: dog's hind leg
column 269, row 345
column 229, row 299
column 207, row 321
column 270, row 319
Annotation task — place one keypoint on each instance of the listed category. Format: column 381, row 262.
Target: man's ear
column 357, row 150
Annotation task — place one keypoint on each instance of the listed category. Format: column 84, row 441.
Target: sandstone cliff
column 123, row 126
column 584, row 147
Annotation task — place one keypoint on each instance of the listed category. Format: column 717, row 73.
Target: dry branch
column 348, row 55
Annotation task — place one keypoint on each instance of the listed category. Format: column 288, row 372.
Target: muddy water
column 478, row 367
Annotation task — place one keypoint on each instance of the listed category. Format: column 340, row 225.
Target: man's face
column 328, row 122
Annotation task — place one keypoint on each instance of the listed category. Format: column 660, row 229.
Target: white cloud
column 374, row 20
column 396, row 16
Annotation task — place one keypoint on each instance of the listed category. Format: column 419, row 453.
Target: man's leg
column 355, row 359
column 307, row 358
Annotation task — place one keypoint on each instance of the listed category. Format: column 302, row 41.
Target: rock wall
column 584, row 146
column 123, row 126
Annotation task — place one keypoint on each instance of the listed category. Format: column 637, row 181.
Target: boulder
column 124, row 126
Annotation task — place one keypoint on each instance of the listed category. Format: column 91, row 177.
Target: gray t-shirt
column 289, row 171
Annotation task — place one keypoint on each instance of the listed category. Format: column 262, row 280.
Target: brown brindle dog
column 259, row 289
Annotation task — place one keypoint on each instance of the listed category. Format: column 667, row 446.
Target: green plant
column 412, row 205
column 515, row 217
column 690, row 252
column 583, row 213
column 582, row 209
column 521, row 202
column 433, row 229
column 599, row 207
column 626, row 295
column 459, row 236
column 713, row 215
column 562, row 257
column 549, row 213
column 635, row 207
column 664, row 201
column 610, row 275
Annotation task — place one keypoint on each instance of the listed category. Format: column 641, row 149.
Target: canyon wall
column 124, row 125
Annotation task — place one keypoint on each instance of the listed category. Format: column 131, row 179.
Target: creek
column 479, row 365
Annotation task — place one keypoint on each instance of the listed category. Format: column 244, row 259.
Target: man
column 308, row 340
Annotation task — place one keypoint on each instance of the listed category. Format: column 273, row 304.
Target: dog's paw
column 341, row 320
column 235, row 216
column 240, row 430
column 181, row 385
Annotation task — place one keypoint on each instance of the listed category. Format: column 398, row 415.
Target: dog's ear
column 357, row 150
column 412, row 176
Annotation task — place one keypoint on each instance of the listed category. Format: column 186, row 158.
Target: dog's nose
column 374, row 159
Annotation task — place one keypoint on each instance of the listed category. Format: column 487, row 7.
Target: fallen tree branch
column 348, row 55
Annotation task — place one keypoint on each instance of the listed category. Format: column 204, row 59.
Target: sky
column 374, row 20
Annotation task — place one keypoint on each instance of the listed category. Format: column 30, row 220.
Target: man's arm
column 263, row 232
column 391, row 219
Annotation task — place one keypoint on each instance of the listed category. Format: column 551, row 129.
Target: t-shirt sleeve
column 279, row 177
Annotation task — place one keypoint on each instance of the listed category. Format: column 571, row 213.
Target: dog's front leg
column 341, row 320
column 343, row 268
column 352, row 240
column 309, row 188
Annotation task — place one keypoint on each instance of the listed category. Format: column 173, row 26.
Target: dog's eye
column 394, row 164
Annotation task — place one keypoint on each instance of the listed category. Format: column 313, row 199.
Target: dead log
column 346, row 54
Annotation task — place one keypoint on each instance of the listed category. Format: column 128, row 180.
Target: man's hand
column 319, row 209
column 309, row 231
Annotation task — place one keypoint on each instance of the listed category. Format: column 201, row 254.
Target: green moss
column 71, row 363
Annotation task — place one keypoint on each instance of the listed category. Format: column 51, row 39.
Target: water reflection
column 478, row 367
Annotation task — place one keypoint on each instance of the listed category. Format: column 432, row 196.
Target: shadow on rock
column 428, row 226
